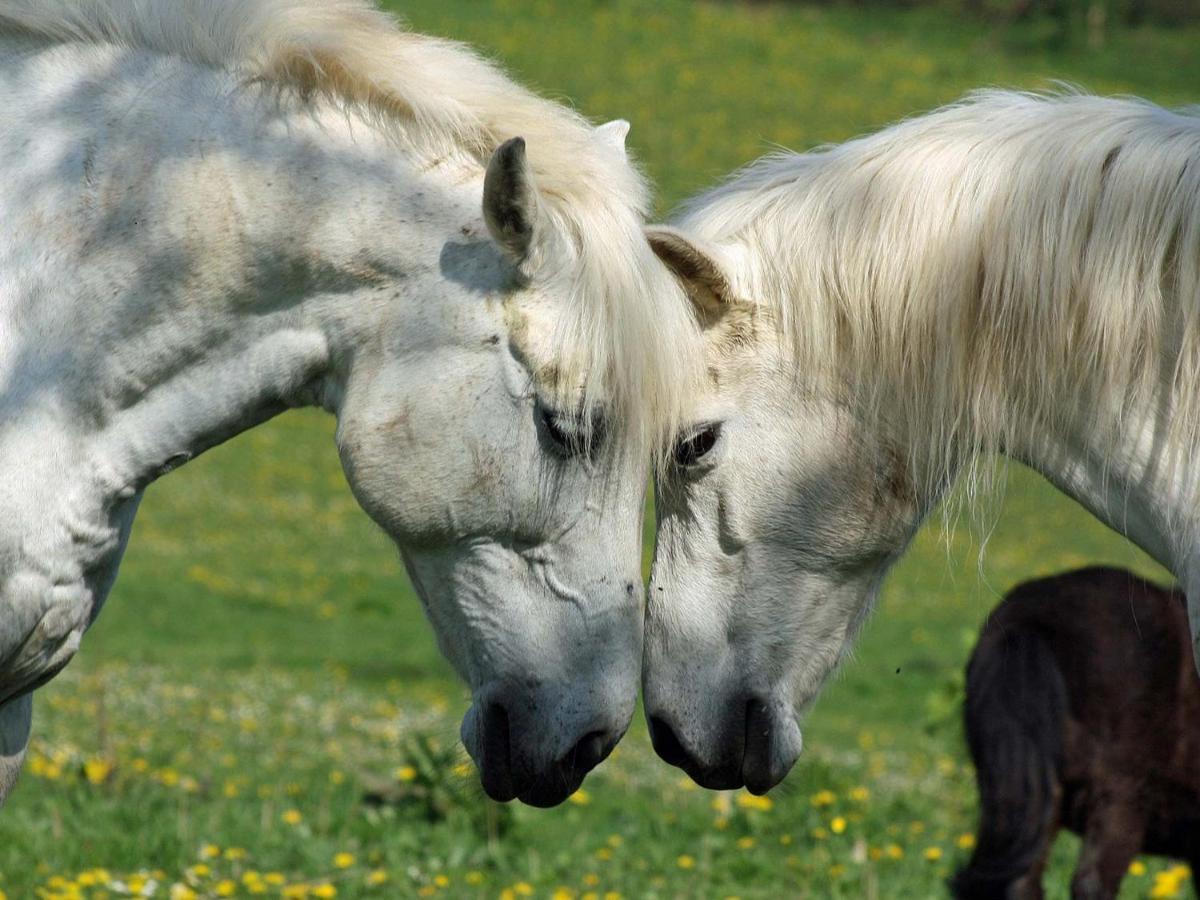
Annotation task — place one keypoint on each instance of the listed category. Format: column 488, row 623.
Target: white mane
column 352, row 54
column 976, row 267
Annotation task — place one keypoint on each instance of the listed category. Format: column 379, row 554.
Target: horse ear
column 696, row 267
column 512, row 208
column 614, row 133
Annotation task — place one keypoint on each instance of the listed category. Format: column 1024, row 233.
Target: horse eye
column 569, row 442
column 696, row 446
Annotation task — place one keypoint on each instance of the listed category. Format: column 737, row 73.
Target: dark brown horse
column 1082, row 712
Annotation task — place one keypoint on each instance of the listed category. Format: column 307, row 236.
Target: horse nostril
column 496, row 762
column 665, row 742
column 588, row 753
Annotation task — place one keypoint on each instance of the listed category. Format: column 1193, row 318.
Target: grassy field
column 263, row 665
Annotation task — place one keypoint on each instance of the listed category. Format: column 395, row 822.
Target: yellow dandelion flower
column 758, row 804
column 508, row 894
column 965, row 841
column 200, row 870
column 343, row 860
column 562, row 893
column 235, row 853
column 441, row 880
column 933, row 854
column 860, row 795
column 294, row 892
column 785, row 839
column 685, row 862
column 523, row 889
column 377, row 877
column 838, row 825
column 275, row 879
column 426, row 890
column 612, row 895
column 324, row 891
column 1137, row 868
column 745, row 843
column 604, row 853
column 97, row 770
column 225, row 888
column 462, row 769
column 86, row 879
column 292, row 817
column 591, row 879
column 580, row 797
column 405, row 773
column 473, row 877
column 230, row 789
column 181, row 891
column 614, row 840
column 894, row 851
column 1164, row 886
column 823, row 798
column 836, row 871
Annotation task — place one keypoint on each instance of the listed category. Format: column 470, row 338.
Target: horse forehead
column 538, row 338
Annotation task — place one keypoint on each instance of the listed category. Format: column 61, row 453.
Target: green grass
column 263, row 653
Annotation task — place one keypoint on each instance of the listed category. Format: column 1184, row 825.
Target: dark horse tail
column 1015, row 710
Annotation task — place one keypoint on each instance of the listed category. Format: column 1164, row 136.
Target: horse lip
column 550, row 793
column 758, row 771
column 724, row 778
column 565, row 776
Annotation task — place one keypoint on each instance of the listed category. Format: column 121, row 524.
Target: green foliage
column 437, row 783
column 262, row 664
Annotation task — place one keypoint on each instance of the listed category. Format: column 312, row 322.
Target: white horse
column 1014, row 274
column 214, row 210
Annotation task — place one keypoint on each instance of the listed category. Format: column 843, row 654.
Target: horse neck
column 223, row 261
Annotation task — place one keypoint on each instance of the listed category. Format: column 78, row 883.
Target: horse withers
column 1082, row 712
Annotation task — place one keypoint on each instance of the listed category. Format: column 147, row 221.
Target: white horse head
column 274, row 203
column 778, row 515
column 1003, row 276
column 513, row 487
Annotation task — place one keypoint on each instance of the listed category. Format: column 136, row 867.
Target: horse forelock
column 433, row 92
column 970, row 268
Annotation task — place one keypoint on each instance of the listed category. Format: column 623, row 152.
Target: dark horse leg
column 1111, row 839
column 1029, row 886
